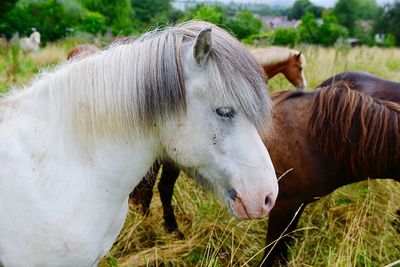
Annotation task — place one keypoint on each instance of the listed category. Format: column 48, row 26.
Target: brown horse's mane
column 359, row 131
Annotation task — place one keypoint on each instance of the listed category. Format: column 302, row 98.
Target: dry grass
column 354, row 226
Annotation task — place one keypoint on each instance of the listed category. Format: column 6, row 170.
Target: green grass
column 354, row 226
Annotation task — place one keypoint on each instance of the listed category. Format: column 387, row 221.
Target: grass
column 354, row 226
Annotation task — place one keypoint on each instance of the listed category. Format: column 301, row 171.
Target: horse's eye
column 226, row 112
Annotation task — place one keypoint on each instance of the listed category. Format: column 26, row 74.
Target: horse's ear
column 298, row 55
column 202, row 46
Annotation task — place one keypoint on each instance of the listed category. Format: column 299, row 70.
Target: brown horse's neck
column 274, row 69
column 360, row 132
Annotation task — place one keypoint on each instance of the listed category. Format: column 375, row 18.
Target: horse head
column 294, row 70
column 217, row 137
column 35, row 37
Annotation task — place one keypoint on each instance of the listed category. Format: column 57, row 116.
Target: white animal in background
column 31, row 43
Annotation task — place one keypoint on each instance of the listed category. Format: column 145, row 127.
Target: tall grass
column 354, row 226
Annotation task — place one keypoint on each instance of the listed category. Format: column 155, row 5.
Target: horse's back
column 369, row 84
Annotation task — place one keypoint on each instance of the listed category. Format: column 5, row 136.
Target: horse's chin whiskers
column 286, row 172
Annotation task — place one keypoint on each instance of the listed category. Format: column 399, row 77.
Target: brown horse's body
column 329, row 138
column 345, row 138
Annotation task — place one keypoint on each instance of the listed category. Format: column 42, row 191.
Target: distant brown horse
column 82, row 50
column 331, row 137
column 289, row 62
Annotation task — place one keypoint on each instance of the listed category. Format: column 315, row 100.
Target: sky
column 324, row 3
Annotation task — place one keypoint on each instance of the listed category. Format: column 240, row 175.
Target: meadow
column 354, row 226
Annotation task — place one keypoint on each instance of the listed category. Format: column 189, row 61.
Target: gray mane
column 232, row 70
column 136, row 83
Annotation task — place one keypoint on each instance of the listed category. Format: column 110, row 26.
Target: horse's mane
column 141, row 82
column 275, row 54
column 358, row 130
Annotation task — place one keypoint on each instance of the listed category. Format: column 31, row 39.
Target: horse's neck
column 273, row 69
column 111, row 165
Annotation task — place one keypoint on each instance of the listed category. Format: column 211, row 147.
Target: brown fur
column 82, row 51
column 367, row 83
column 357, row 129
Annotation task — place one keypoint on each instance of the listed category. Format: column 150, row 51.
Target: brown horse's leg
column 166, row 188
column 143, row 192
column 283, row 219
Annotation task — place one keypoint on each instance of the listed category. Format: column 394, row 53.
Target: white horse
column 77, row 141
column 31, row 43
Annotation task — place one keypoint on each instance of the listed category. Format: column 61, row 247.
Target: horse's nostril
column 267, row 200
column 232, row 194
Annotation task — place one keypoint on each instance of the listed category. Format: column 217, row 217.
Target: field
column 354, row 226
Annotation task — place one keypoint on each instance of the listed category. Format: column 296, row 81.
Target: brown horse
column 82, row 50
column 345, row 137
column 368, row 84
column 289, row 62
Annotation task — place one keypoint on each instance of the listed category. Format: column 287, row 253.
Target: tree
column 213, row 14
column 286, row 36
column 244, row 24
column 349, row 12
column 301, row 7
column 330, row 30
column 118, row 13
column 309, row 29
column 367, row 10
column 6, row 6
column 389, row 21
column 148, row 12
column 324, row 32
column 51, row 18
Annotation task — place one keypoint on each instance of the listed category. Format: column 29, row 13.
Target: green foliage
column 346, row 13
column 93, row 22
column 213, row 14
column 365, row 36
column 389, row 21
column 367, row 9
column 6, row 5
column 301, row 7
column 309, row 29
column 123, row 14
column 349, row 12
column 149, row 12
column 244, row 24
column 286, row 36
column 50, row 17
column 325, row 33
column 118, row 13
column 330, row 31
column 390, row 40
